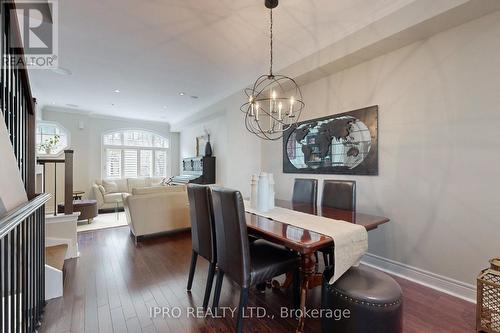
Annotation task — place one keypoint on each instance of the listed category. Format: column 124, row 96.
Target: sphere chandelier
column 274, row 102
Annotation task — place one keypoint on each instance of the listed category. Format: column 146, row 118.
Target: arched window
column 51, row 138
column 134, row 153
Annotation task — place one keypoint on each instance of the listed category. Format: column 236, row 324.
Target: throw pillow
column 110, row 186
column 102, row 189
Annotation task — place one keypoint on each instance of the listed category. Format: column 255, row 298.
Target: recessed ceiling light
column 164, row 106
column 194, row 97
column 61, row 71
column 182, row 93
column 117, row 91
column 53, row 103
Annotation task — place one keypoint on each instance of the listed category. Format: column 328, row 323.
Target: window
column 51, row 138
column 134, row 153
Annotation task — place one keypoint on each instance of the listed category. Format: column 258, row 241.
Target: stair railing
column 68, row 179
column 16, row 102
column 22, row 266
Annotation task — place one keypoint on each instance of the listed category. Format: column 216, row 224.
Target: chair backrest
column 339, row 194
column 202, row 221
column 233, row 253
column 305, row 191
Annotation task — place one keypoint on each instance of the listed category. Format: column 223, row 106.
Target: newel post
column 68, row 182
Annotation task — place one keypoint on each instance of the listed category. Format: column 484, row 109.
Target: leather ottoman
column 373, row 298
column 87, row 209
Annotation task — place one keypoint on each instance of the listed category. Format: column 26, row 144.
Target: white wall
column 438, row 147
column 12, row 193
column 86, row 142
column 237, row 152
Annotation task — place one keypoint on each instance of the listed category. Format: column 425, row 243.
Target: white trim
column 61, row 218
column 53, row 283
column 441, row 283
column 92, row 114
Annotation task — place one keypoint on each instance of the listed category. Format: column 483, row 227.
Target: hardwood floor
column 114, row 284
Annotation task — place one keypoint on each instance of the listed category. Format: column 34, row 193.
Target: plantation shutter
column 134, row 153
column 130, row 163
column 160, row 163
column 146, row 163
column 113, row 163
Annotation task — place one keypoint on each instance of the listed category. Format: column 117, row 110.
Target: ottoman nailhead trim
column 350, row 299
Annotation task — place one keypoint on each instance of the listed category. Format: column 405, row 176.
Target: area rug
column 103, row 221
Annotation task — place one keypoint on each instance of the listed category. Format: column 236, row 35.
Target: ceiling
column 151, row 50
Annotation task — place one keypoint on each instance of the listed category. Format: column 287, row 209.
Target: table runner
column 351, row 240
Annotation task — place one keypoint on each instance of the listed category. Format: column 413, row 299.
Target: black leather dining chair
column 339, row 194
column 305, row 191
column 202, row 234
column 245, row 263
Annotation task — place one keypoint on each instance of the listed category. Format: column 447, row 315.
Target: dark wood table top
column 306, row 241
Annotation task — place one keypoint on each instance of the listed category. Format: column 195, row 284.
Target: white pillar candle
column 271, row 102
column 251, row 106
column 271, row 122
column 292, row 101
column 253, row 193
column 263, row 193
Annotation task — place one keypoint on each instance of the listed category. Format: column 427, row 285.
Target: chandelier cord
column 271, row 42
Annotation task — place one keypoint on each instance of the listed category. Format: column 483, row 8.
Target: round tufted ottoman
column 373, row 300
column 87, row 209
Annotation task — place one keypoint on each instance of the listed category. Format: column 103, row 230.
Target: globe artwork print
column 345, row 143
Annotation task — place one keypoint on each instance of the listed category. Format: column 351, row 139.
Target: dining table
column 306, row 242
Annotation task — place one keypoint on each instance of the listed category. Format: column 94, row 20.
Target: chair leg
column 296, row 289
column 325, row 259
column 241, row 307
column 194, row 257
column 210, row 281
column 218, row 287
column 317, row 257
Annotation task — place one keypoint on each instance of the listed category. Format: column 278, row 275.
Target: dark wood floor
column 114, row 283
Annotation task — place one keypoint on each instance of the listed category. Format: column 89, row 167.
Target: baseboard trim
column 441, row 283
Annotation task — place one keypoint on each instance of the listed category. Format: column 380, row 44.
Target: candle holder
column 274, row 105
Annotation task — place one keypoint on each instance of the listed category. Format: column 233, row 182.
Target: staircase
column 60, row 244
column 22, row 210
column 54, row 270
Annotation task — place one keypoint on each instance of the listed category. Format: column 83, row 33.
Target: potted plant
column 49, row 144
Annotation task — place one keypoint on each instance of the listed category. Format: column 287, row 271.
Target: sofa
column 156, row 210
column 108, row 193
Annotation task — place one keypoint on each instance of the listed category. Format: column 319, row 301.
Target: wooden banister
column 68, row 179
column 68, row 182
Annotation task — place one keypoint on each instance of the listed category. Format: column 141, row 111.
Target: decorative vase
column 263, row 193
column 208, row 148
column 253, row 191
column 271, row 191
